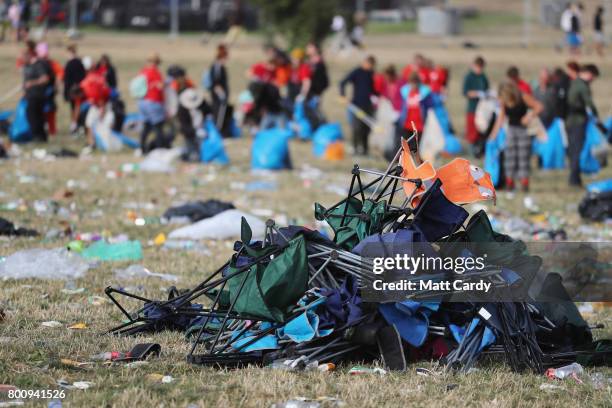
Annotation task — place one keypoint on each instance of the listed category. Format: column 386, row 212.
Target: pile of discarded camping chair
column 296, row 298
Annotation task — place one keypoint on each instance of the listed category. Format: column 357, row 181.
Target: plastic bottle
column 108, row 356
column 560, row 373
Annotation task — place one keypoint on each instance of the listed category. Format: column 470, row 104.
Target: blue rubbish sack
column 551, row 152
column 451, row 143
column 127, row 141
column 5, row 121
column 492, row 162
column 608, row 125
column 212, row 148
column 588, row 162
column 19, row 132
column 601, row 186
column 301, row 122
column 235, row 131
column 5, row 116
column 324, row 136
column 270, row 150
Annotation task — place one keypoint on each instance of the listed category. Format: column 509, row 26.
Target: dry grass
column 29, row 353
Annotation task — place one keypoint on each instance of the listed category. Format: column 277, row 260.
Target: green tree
column 299, row 21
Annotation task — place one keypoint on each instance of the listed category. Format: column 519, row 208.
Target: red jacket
column 155, row 84
column 95, row 89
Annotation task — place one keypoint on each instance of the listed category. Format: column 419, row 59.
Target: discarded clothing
column 198, row 210
column 8, row 228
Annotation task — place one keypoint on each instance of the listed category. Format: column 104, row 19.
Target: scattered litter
column 63, row 194
column 262, row 212
column 326, row 367
column 139, row 271
column 299, row 364
column 43, row 264
column 78, row 385
column 119, row 251
column 224, row 225
column 74, row 291
column 97, row 300
column 550, row 387
column 358, row 370
column 11, row 403
column 160, row 161
column 51, row 323
column 572, row 370
column 303, row 402
column 25, row 179
column 261, row 186
column 159, row 239
column 160, row 378
column 530, row 205
column 75, row 364
column 186, row 244
column 108, row 356
column 425, row 372
column 137, row 364
column 600, row 380
column 78, row 326
column 138, row 353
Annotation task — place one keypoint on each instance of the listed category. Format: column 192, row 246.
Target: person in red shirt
column 151, row 106
column 389, row 86
column 261, row 72
column 514, row 75
column 414, row 115
column 419, row 66
column 416, row 102
column 96, row 92
column 299, row 81
column 438, row 79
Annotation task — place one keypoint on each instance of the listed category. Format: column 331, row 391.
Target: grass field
column 30, row 354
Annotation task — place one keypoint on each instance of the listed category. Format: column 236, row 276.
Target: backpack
column 207, row 79
column 138, row 87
